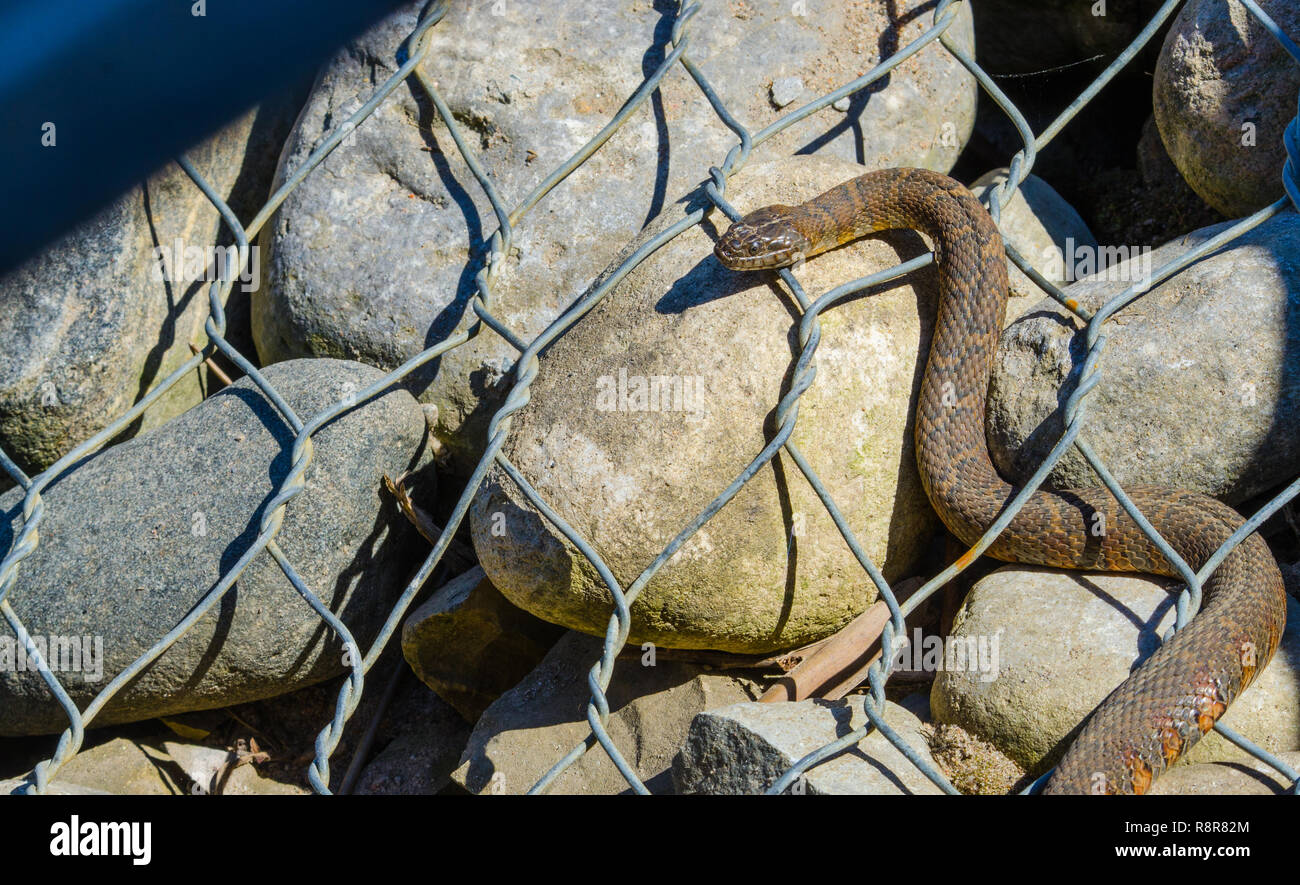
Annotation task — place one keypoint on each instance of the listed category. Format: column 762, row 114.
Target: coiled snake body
column 1160, row 711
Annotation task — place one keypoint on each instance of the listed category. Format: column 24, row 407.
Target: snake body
column 1160, row 711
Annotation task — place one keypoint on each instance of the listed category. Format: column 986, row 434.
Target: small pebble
column 841, row 104
column 785, row 90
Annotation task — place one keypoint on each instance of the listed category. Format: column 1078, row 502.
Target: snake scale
column 1163, row 708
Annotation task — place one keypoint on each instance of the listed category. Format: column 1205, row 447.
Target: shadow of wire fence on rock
column 412, row 55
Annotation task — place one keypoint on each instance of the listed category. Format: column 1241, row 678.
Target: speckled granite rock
column 133, row 539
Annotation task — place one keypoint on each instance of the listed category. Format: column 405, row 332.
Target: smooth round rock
column 374, row 256
column 770, row 571
column 133, row 538
column 1225, row 90
column 1065, row 640
column 1199, row 384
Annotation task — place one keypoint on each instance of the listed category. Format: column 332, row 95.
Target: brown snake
column 1160, row 711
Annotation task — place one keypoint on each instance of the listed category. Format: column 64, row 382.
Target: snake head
column 766, row 238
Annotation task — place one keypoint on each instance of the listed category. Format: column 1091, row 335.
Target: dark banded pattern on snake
column 1160, row 711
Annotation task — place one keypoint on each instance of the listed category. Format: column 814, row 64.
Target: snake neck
column 952, row 453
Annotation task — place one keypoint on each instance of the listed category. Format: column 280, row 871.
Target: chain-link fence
column 413, row 55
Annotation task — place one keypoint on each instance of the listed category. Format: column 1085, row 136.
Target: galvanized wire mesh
column 413, row 55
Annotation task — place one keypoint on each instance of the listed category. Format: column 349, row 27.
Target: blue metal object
column 97, row 94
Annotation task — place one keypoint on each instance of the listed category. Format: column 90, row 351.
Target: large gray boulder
column 134, row 538
column 1199, row 377
column 1225, row 90
column 373, row 257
